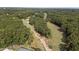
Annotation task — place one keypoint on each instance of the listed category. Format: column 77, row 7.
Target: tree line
column 40, row 25
column 68, row 20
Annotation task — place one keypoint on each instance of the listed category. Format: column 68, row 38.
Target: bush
column 40, row 26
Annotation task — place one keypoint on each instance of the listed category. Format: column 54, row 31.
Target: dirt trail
column 37, row 35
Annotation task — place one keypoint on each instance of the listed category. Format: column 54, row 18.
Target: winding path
column 37, row 35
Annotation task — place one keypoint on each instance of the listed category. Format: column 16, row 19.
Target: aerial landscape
column 39, row 29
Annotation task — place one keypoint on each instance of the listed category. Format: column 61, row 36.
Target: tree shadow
column 60, row 30
column 62, row 47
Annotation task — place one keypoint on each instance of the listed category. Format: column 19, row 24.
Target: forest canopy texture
column 13, row 32
column 68, row 20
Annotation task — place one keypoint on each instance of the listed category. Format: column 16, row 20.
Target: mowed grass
column 56, row 36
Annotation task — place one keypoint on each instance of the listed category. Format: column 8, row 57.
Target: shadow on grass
column 62, row 47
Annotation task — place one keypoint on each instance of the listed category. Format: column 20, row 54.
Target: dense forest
column 68, row 20
column 13, row 32
column 40, row 26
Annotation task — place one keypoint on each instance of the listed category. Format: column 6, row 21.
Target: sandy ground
column 37, row 35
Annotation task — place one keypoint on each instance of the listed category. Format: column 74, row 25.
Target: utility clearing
column 37, row 35
column 56, row 36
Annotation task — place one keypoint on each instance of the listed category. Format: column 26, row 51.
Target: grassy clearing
column 56, row 36
column 34, row 44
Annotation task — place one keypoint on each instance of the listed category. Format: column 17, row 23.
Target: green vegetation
column 69, row 22
column 40, row 26
column 12, row 31
column 56, row 36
